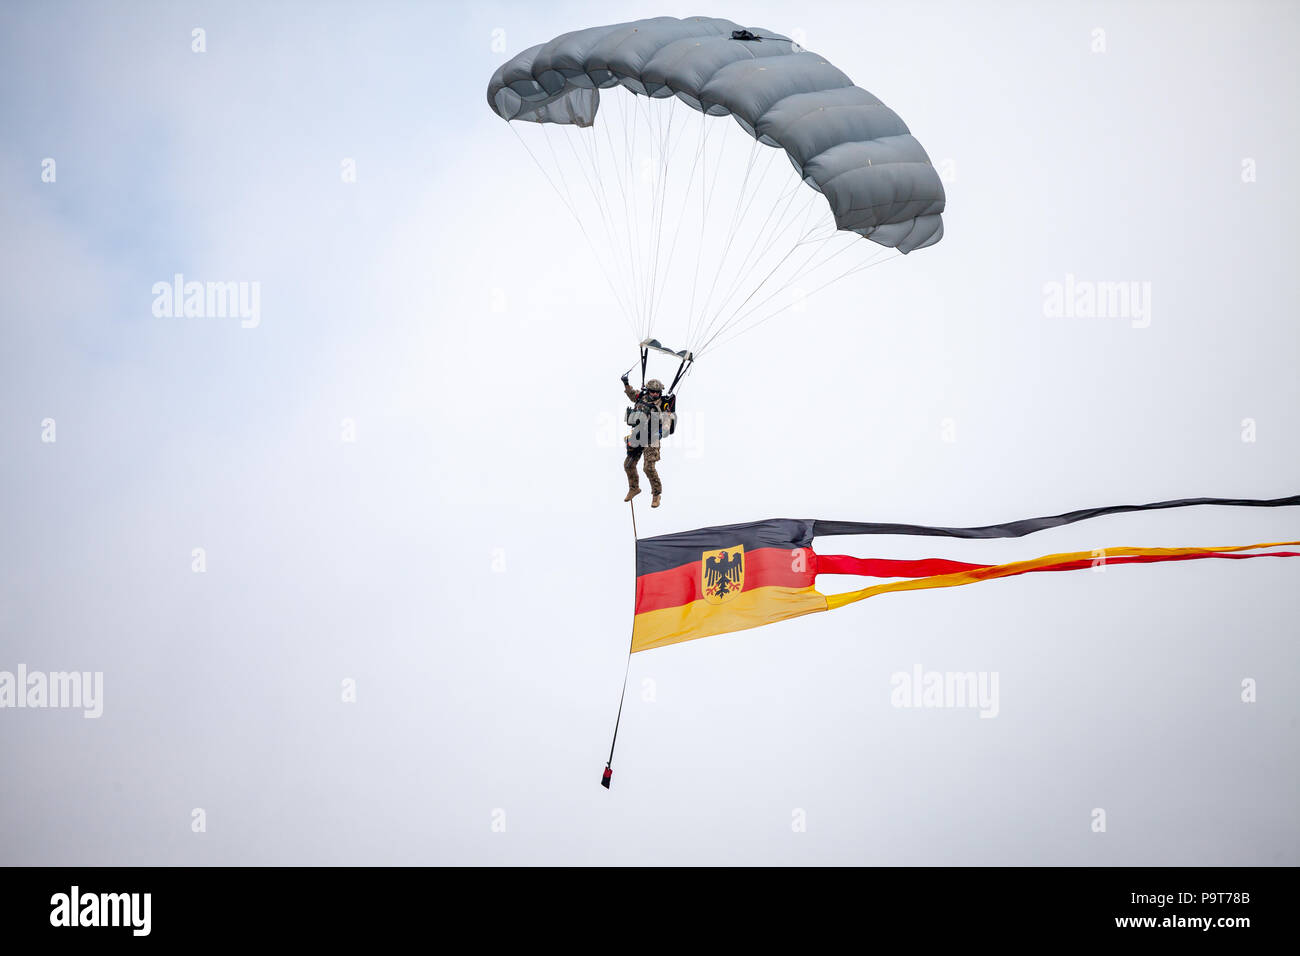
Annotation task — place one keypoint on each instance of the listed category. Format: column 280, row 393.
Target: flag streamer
column 716, row 580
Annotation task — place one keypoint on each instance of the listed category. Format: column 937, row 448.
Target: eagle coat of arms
column 724, row 574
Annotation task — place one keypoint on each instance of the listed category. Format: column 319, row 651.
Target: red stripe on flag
column 926, row 567
column 890, row 568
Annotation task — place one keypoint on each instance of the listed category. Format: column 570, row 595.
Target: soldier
column 651, row 423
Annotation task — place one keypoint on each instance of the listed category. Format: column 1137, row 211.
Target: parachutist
column 651, row 417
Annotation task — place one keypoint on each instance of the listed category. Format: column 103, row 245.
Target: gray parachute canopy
column 842, row 140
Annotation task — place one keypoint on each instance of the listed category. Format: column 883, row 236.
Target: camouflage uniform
column 650, row 451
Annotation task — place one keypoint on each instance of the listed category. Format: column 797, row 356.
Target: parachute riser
column 687, row 358
column 681, row 372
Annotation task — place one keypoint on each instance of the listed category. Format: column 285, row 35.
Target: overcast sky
column 406, row 476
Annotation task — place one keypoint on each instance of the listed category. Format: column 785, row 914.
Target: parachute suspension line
column 777, row 228
column 665, row 167
column 744, row 267
column 880, row 259
column 753, row 261
column 623, row 170
column 827, row 218
column 747, row 264
column 596, row 186
column 624, row 183
column 637, row 183
column 726, row 245
column 736, row 316
column 600, row 252
column 658, row 189
column 731, row 232
column 629, row 206
column 651, row 178
column 538, row 162
column 661, row 278
column 804, row 232
column 806, row 235
column 877, row 261
column 593, row 181
column 706, row 197
column 767, row 168
column 609, row 764
column 598, row 191
column 710, row 192
column 681, row 218
column 568, row 205
column 644, row 215
column 771, row 272
column 738, row 215
column 564, row 180
column 637, row 243
column 668, row 150
column 718, row 325
column 652, row 175
column 804, row 270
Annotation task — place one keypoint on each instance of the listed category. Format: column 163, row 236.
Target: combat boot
column 654, row 501
column 632, row 493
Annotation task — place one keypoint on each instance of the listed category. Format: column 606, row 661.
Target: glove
column 623, row 379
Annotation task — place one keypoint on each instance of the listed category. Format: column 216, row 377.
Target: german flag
column 729, row 578
column 733, row 577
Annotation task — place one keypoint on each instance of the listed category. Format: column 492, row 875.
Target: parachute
column 692, row 219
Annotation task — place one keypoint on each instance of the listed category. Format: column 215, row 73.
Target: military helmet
column 654, row 385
